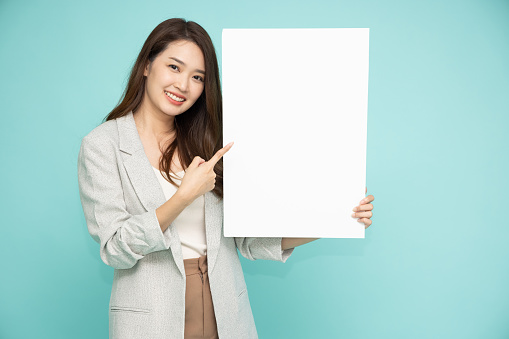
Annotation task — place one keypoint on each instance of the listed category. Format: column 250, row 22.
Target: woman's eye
column 197, row 77
column 174, row 67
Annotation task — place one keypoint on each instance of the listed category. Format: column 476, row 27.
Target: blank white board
column 295, row 105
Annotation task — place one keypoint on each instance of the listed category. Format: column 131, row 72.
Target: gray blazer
column 120, row 192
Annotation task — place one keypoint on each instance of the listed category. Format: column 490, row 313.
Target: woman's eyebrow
column 182, row 63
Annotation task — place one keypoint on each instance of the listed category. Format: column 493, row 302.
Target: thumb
column 197, row 161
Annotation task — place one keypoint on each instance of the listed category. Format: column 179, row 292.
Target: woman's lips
column 174, row 98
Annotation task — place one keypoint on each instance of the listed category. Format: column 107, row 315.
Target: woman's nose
column 181, row 83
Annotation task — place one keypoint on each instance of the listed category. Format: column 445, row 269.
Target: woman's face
column 175, row 79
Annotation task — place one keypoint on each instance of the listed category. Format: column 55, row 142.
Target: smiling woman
column 176, row 275
column 168, row 79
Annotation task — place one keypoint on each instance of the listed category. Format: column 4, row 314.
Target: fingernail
column 353, row 215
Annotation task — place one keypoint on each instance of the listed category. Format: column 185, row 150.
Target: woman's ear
column 147, row 68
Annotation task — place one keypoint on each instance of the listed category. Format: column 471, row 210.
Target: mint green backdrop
column 435, row 262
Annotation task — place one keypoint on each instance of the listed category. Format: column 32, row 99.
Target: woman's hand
column 363, row 211
column 200, row 176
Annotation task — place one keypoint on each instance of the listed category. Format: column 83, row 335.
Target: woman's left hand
column 363, row 211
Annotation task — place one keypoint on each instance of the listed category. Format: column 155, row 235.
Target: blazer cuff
column 155, row 233
column 285, row 254
column 264, row 248
column 137, row 236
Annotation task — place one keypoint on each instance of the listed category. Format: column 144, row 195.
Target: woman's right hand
column 200, row 177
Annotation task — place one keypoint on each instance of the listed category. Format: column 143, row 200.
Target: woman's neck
column 159, row 127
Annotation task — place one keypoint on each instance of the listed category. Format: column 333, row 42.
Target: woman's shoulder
column 107, row 132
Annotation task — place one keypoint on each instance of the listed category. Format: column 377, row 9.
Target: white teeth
column 174, row 97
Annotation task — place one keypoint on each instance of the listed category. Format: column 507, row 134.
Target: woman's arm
column 171, row 209
column 124, row 238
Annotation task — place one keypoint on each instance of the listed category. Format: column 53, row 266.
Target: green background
column 434, row 264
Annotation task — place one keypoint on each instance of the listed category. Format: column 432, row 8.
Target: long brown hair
column 199, row 129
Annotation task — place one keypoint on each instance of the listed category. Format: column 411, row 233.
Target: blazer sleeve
column 253, row 248
column 124, row 238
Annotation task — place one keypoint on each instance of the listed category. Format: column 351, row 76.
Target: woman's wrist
column 183, row 197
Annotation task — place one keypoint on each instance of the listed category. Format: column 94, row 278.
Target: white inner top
column 190, row 223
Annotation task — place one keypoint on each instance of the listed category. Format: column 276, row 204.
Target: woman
column 153, row 201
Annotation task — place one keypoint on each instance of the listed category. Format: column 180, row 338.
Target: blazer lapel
column 151, row 194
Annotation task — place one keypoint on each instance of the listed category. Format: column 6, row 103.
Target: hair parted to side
column 199, row 129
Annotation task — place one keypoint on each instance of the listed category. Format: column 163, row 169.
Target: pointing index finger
column 219, row 154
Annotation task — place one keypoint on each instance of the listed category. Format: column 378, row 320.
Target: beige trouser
column 200, row 318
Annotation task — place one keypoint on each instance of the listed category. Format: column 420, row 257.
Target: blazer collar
column 151, row 194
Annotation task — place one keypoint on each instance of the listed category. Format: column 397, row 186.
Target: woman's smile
column 175, row 99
